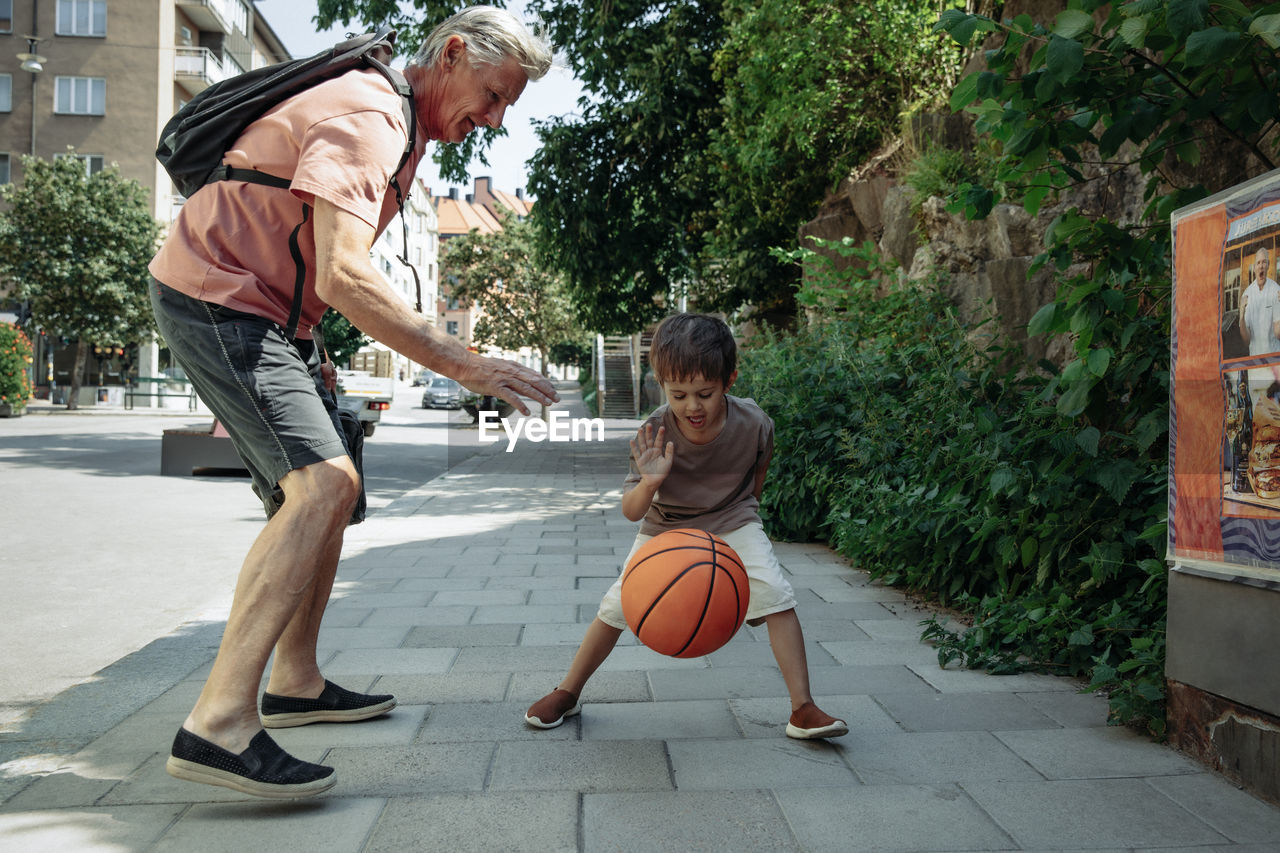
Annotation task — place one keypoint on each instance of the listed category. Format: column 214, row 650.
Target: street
column 138, row 554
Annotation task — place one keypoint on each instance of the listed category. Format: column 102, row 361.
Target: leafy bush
column 914, row 454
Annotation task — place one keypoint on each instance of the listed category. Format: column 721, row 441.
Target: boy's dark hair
column 689, row 345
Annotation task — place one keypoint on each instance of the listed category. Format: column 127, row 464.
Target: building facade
column 98, row 79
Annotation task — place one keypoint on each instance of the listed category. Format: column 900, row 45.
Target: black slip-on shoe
column 334, row 705
column 264, row 769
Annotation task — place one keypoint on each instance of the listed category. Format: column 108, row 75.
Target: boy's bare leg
column 807, row 719
column 787, row 641
column 278, row 578
column 552, row 709
column 596, row 645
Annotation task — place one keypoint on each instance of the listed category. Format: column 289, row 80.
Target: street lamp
column 32, row 63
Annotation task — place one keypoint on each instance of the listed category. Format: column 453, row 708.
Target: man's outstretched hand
column 508, row 381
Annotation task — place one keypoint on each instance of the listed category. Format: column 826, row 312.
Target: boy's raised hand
column 653, row 459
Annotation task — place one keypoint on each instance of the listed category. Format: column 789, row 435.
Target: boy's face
column 698, row 405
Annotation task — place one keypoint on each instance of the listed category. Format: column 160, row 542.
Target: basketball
column 685, row 593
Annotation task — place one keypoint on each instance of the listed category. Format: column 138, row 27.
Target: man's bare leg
column 295, row 671
column 281, row 574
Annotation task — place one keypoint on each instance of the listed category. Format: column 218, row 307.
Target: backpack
column 195, row 139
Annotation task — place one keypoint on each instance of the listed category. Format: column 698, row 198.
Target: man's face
column 1260, row 265
column 470, row 96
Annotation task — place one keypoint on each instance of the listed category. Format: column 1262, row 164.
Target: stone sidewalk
column 467, row 597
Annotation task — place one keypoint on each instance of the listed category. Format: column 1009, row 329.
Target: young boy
column 700, row 461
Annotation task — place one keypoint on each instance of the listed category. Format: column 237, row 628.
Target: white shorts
column 770, row 592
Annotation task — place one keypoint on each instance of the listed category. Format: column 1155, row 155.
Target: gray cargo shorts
column 264, row 388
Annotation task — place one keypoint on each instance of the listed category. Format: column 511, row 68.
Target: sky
column 553, row 95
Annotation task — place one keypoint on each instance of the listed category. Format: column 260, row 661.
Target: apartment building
column 102, row 77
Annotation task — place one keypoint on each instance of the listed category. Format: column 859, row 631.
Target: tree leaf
column 1064, row 58
column 1072, row 22
column 1209, row 46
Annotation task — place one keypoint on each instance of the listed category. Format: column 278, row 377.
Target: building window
column 80, row 96
column 4, row 168
column 451, row 327
column 6, row 16
column 93, row 163
column 82, row 18
column 6, row 93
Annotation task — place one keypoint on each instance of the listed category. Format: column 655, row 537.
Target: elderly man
column 223, row 293
column 1260, row 307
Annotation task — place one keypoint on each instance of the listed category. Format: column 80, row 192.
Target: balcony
column 219, row 16
column 197, row 68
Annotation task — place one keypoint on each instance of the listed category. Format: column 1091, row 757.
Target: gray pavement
column 466, row 598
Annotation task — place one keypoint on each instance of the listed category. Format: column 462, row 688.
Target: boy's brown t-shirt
column 711, row 486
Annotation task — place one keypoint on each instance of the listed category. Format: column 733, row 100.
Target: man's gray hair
column 491, row 35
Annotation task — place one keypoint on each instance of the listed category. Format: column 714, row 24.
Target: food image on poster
column 1251, row 450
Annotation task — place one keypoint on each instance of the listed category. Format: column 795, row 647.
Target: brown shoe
column 550, row 711
column 809, row 722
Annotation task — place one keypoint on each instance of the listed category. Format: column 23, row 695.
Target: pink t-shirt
column 338, row 141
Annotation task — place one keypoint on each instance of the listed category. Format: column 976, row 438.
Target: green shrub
column 913, row 453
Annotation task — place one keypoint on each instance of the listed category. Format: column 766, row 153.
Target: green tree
column 341, row 339
column 521, row 301
column 77, row 247
column 624, row 195
column 811, row 89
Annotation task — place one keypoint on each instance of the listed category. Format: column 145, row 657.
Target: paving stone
column 511, row 820
column 727, row 765
column 85, row 829
column 964, row 712
column 525, row 614
column 529, row 687
column 1094, row 813
column 890, row 818
column 767, row 718
column 334, row 639
column 389, row 661
column 481, row 722
column 76, row 782
column 330, row 823
column 676, row 822
column 952, row 680
column 866, row 652
column 459, row 636
column 512, row 658
column 659, row 721
column 446, row 687
column 478, row 597
column 587, row 767
column 1096, row 753
column 398, row 771
column 917, row 758
column 400, row 725
column 1233, row 813
column 721, row 683
column 389, row 616
column 1070, row 710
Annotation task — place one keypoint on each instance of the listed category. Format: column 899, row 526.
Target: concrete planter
column 8, row 410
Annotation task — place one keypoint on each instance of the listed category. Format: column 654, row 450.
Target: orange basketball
column 685, row 593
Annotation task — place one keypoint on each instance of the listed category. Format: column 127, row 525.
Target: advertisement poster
column 1224, row 438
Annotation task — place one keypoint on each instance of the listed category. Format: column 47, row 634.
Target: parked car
column 423, row 377
column 442, row 393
